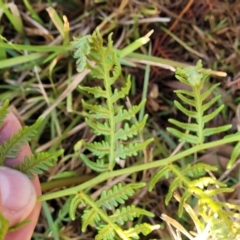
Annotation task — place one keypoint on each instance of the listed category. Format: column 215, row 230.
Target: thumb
column 17, row 195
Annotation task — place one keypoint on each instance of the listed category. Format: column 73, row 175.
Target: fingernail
column 17, row 195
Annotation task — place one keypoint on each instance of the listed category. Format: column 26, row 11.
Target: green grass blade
column 19, row 60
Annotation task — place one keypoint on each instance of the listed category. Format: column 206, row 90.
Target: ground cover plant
column 192, row 171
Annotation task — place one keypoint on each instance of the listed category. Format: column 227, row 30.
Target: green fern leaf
column 97, row 71
column 214, row 192
column 130, row 131
column 205, row 181
column 112, row 197
column 182, row 136
column 115, row 69
column 118, row 194
column 98, row 110
column 185, row 92
column 184, row 99
column 96, row 91
column 74, row 204
column 98, row 166
column 210, row 103
column 186, row 195
column 215, row 130
column 177, row 182
column 207, row 93
column 10, row 148
column 125, row 214
column 90, row 217
column 131, row 150
column 99, row 128
column 189, row 113
column 105, row 232
column 124, row 114
column 207, row 118
column 105, row 58
column 197, row 170
column 37, row 163
column 3, row 112
column 235, row 154
column 187, row 126
column 193, row 76
column 143, row 228
column 82, row 48
column 164, row 171
column 99, row 149
column 123, row 92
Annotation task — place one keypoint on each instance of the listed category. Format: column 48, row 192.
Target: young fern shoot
column 195, row 78
column 104, row 65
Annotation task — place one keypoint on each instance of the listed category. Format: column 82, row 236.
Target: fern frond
column 209, row 104
column 124, row 214
column 234, row 155
column 105, row 232
column 162, row 172
column 177, row 182
column 183, row 136
column 82, row 50
column 38, row 163
column 10, row 148
column 99, row 128
column 99, row 149
column 212, row 115
column 132, row 130
column 124, row 114
column 187, row 126
column 143, row 228
column 104, row 65
column 3, row 112
column 118, row 195
column 197, row 99
column 215, row 130
column 98, row 110
column 98, row 166
column 109, row 199
column 186, row 195
column 192, row 114
column 118, row 94
column 206, row 181
column 197, row 169
column 76, row 200
column 90, row 217
column 209, row 91
column 131, row 150
column 96, row 91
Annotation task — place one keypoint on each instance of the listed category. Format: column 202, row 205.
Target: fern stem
column 67, row 181
column 103, row 215
column 199, row 119
column 178, row 174
column 158, row 163
column 108, row 88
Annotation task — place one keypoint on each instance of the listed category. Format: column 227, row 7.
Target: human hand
column 17, row 193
